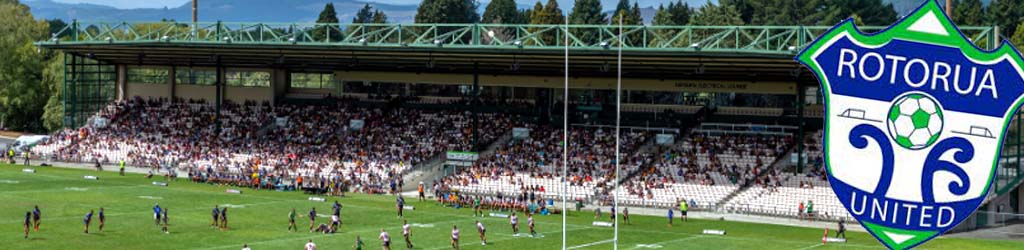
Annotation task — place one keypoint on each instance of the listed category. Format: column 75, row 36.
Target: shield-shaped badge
column 915, row 116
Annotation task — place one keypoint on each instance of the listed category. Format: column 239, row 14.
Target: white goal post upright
column 565, row 135
column 618, row 119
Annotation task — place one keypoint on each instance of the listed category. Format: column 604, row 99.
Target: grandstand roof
column 740, row 53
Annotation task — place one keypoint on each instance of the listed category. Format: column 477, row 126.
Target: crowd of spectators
column 531, row 167
column 256, row 144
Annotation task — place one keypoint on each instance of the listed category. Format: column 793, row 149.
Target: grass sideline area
column 259, row 218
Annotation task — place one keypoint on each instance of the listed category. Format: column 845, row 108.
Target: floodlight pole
column 565, row 135
column 195, row 11
column 618, row 125
column 949, row 8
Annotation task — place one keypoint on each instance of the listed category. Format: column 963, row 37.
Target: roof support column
column 801, row 92
column 219, row 98
column 476, row 104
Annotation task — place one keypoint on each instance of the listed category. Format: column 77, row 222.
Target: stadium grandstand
column 721, row 118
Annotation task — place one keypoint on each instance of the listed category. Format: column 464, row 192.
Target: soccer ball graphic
column 915, row 121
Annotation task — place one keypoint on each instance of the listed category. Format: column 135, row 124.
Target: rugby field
column 259, row 218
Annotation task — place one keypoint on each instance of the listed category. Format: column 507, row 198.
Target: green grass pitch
column 259, row 219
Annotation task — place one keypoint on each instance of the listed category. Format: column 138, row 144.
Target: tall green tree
column 379, row 17
column 968, row 12
column 587, row 12
column 22, row 95
column 746, row 8
column 53, row 78
column 1007, row 14
column 1018, row 36
column 871, row 12
column 662, row 17
column 548, row 13
column 364, row 15
column 502, row 12
column 630, row 14
column 447, row 11
column 789, row 12
column 711, row 14
column 681, row 12
column 328, row 25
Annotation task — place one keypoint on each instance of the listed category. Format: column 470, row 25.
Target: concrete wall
column 241, row 94
column 197, row 92
column 148, row 91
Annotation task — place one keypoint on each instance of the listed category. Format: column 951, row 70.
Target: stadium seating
column 785, row 200
column 536, row 161
column 703, row 170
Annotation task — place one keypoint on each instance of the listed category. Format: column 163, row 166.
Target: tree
column 630, row 14
column 56, row 25
column 447, row 11
column 548, row 13
column 53, row 78
column 681, row 12
column 968, row 12
column 328, row 22
column 711, row 14
column 871, row 12
column 22, row 95
column 789, row 12
column 367, row 14
column 379, row 17
column 662, row 17
column 1006, row 14
column 587, row 12
column 1018, row 36
column 502, row 12
column 364, row 15
column 746, row 8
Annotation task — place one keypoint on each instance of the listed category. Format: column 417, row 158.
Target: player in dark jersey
column 291, row 221
column 625, row 215
column 87, row 220
column 216, row 216
column 156, row 214
column 103, row 219
column 312, row 219
column 400, row 203
column 164, row 228
column 224, row 218
column 28, row 222
column 358, row 245
column 37, row 218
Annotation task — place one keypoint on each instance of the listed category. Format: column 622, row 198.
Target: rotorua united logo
column 914, row 121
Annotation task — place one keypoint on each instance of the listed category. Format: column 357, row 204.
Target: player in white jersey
column 455, row 237
column 385, row 239
column 310, row 245
column 405, row 233
column 529, row 221
column 514, row 221
column 483, row 232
